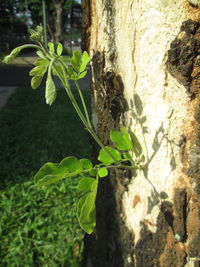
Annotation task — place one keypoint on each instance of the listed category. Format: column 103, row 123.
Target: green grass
column 38, row 227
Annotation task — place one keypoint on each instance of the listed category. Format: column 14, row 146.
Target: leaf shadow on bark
column 136, row 107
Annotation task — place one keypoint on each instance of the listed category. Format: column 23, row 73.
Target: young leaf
column 86, row 164
column 122, row 139
column 38, row 71
column 76, row 60
column 43, row 62
column 72, row 164
column 106, row 158
column 53, row 172
column 50, row 92
column 59, row 49
column 85, row 61
column 40, row 54
column 14, row 53
column 50, row 173
column 102, row 172
column 127, row 156
column 36, row 81
column 72, row 74
column 86, row 212
column 51, row 47
column 85, row 184
column 93, row 172
column 82, row 75
column 39, row 30
column 80, row 205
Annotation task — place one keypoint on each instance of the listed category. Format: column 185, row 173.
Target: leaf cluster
column 120, row 155
column 88, row 174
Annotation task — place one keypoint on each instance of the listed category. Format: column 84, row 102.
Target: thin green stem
column 30, row 46
column 83, row 103
column 122, row 166
column 85, row 122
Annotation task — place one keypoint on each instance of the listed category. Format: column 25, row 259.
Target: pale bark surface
column 145, row 75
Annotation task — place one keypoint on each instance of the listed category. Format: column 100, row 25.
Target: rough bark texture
column 145, row 75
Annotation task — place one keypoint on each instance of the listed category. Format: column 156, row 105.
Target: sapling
column 121, row 155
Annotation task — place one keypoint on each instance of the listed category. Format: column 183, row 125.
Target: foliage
column 121, row 155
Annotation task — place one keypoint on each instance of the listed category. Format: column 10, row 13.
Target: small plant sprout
column 121, row 155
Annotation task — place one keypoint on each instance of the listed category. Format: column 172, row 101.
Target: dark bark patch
column 184, row 64
column 112, row 243
column 180, row 205
column 151, row 245
column 161, row 249
column 182, row 53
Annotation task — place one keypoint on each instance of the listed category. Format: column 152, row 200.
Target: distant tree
column 9, row 22
column 57, row 15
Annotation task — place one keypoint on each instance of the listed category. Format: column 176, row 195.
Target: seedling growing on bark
column 121, row 155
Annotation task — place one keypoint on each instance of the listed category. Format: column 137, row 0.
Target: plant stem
column 83, row 103
column 30, row 46
column 80, row 114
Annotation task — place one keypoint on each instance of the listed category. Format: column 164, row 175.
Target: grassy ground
column 37, row 227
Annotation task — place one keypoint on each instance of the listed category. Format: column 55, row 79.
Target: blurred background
column 61, row 20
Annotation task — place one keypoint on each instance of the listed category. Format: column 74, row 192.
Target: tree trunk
column 58, row 22
column 145, row 75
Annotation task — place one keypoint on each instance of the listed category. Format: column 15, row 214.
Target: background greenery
column 38, row 227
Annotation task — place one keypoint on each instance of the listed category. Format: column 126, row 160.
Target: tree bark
column 58, row 22
column 145, row 75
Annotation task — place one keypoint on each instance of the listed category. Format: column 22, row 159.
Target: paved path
column 5, row 93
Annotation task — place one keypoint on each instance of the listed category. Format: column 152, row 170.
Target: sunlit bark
column 145, row 75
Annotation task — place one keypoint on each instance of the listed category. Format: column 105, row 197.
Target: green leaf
column 127, row 156
column 50, row 173
column 41, row 62
column 57, row 70
column 50, row 92
column 53, row 172
column 39, row 29
column 51, row 47
column 86, row 212
column 85, row 184
column 59, row 49
column 82, row 75
column 106, row 158
column 36, row 81
column 121, row 139
column 76, row 60
column 86, row 164
column 34, row 36
column 93, row 172
column 14, row 53
column 72, row 74
column 103, row 172
column 72, row 164
column 85, row 61
column 40, row 54
column 80, row 205
column 38, row 71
